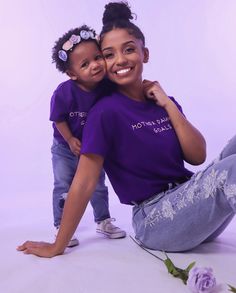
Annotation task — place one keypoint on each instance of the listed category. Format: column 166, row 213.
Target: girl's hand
column 154, row 91
column 75, row 145
column 42, row 249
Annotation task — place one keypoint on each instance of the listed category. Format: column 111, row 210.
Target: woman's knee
column 229, row 149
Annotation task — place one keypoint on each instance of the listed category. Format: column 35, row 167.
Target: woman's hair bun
column 116, row 11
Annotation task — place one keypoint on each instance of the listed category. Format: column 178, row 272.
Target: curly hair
column 61, row 65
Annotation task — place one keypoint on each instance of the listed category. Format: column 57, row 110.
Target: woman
column 143, row 144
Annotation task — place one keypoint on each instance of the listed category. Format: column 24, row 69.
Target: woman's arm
column 82, row 187
column 191, row 140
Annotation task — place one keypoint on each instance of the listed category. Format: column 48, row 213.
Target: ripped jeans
column 193, row 212
column 64, row 164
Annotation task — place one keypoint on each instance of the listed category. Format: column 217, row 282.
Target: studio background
column 192, row 46
column 192, row 54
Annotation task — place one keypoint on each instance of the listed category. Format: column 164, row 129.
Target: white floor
column 98, row 265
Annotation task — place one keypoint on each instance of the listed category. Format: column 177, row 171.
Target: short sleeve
column 98, row 133
column 58, row 107
column 177, row 104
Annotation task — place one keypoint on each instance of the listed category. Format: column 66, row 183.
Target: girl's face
column 87, row 65
column 124, row 56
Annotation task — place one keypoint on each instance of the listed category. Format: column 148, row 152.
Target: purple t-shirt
column 71, row 104
column 141, row 151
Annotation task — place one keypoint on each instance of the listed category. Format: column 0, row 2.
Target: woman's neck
column 134, row 92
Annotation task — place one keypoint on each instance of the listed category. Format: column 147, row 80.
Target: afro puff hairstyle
column 61, row 65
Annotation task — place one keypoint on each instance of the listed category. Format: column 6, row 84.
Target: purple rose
column 201, row 280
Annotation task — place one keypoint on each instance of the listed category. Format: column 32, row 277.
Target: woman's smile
column 123, row 71
column 124, row 55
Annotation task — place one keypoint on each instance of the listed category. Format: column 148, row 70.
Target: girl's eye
column 85, row 64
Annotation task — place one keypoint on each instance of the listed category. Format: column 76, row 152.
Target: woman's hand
column 81, row 190
column 191, row 140
column 39, row 248
column 154, row 91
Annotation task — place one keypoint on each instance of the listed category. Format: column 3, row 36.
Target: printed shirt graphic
column 140, row 147
column 71, row 104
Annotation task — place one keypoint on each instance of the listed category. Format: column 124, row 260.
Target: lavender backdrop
column 193, row 55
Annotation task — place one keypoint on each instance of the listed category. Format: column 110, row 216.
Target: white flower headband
column 73, row 40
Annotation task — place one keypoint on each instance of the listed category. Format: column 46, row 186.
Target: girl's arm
column 64, row 130
column 191, row 140
column 73, row 142
column 82, row 187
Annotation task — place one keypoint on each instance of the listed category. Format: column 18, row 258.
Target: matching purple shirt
column 71, row 104
column 141, row 151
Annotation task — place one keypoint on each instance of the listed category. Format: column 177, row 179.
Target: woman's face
column 124, row 56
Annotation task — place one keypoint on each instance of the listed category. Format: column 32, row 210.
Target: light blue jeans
column 64, row 164
column 191, row 213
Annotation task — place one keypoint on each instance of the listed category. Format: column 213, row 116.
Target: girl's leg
column 99, row 200
column 182, row 218
column 64, row 166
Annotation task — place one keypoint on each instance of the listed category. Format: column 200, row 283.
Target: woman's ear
column 71, row 74
column 145, row 55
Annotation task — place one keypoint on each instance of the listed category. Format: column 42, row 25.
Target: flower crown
column 73, row 40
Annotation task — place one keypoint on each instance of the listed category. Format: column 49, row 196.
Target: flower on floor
column 201, row 280
column 175, row 271
column 198, row 280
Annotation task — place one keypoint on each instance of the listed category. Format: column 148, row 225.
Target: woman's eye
column 108, row 55
column 129, row 50
column 98, row 57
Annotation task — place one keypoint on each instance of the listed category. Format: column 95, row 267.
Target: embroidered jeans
column 64, row 164
column 189, row 214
